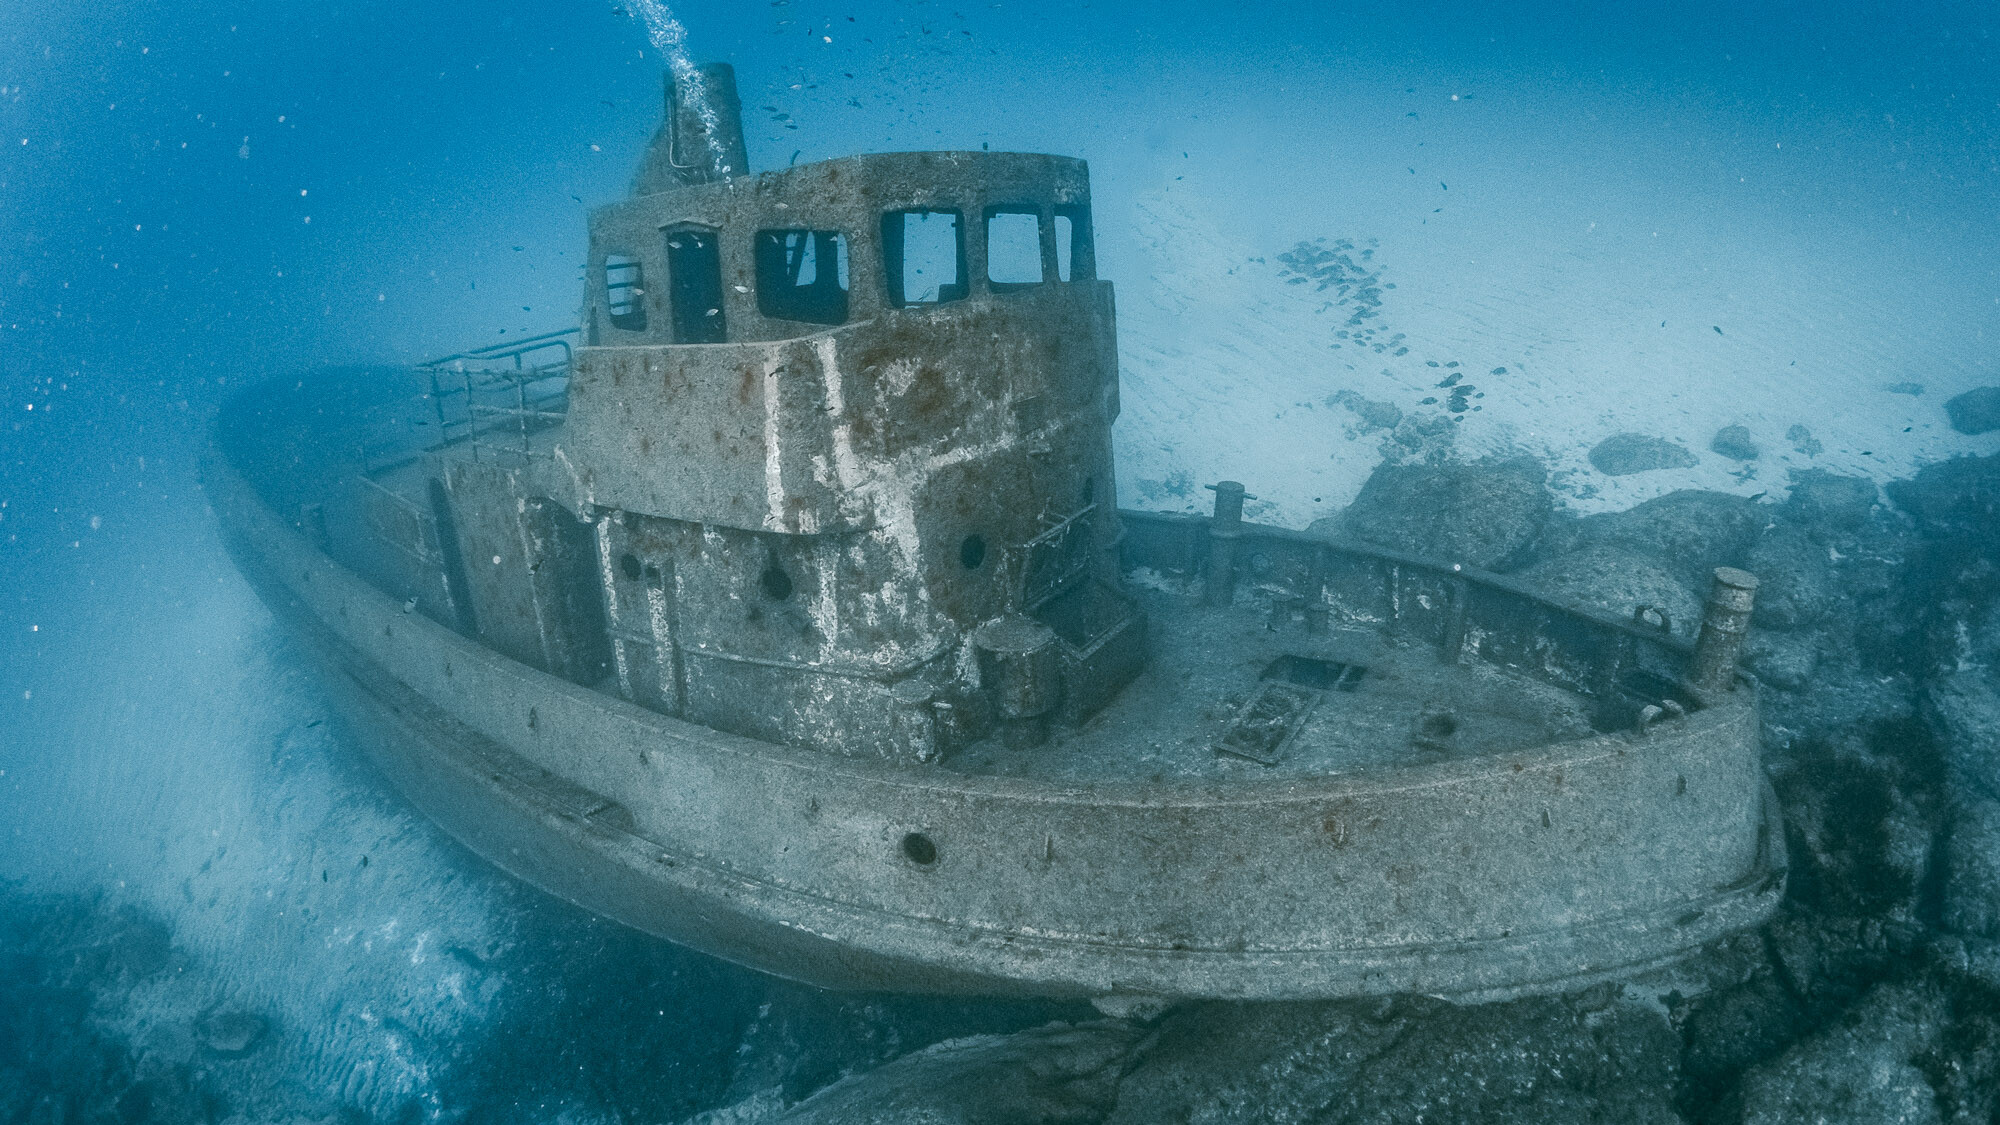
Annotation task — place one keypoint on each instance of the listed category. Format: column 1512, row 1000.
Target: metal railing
column 520, row 385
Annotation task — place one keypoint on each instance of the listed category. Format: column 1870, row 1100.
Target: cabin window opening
column 694, row 275
column 1013, row 247
column 625, row 292
column 1076, row 258
column 802, row 275
column 923, row 257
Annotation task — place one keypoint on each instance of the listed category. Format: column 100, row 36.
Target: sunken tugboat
column 784, row 610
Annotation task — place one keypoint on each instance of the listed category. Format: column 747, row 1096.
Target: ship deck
column 1227, row 695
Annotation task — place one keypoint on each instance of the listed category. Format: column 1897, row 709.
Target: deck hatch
column 1319, row 675
column 1268, row 721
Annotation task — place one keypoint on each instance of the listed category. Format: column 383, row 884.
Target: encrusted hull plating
column 1477, row 877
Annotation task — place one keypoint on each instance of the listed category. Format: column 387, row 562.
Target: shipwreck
column 783, row 608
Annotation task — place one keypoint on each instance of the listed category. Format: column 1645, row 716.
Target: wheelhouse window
column 802, row 275
column 625, row 292
column 1075, row 256
column 923, row 257
column 694, row 285
column 1013, row 247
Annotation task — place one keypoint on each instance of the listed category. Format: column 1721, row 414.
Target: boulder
column 1827, row 503
column 1782, row 660
column 1736, row 1027
column 1690, row 532
column 1373, row 415
column 1735, row 443
column 1613, row 580
column 1058, row 1073
column 1796, row 585
column 1486, row 514
column 1859, row 835
column 1626, row 453
column 1861, row 1071
column 1954, row 499
column 1976, row 411
column 1972, row 871
column 1803, row 441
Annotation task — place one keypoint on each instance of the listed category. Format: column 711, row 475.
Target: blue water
column 195, row 196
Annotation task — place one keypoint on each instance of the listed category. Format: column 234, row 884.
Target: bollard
column 1020, row 669
column 1724, row 623
column 1224, row 529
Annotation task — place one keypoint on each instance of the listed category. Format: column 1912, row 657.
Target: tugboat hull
column 1477, row 877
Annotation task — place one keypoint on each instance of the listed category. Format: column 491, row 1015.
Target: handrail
column 511, row 349
column 479, row 375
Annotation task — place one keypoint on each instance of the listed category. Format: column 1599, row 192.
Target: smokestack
column 706, row 127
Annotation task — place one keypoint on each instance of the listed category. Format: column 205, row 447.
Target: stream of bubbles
column 670, row 38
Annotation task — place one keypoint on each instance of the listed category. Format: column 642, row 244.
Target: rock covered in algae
column 1627, row 453
column 1486, row 514
column 1976, row 411
column 1862, row 1070
column 1735, row 443
column 1618, row 582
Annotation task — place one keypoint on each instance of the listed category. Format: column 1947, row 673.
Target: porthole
column 630, row 565
column 776, row 583
column 972, row 552
column 919, row 849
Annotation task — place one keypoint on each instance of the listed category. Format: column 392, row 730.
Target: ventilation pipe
column 705, row 126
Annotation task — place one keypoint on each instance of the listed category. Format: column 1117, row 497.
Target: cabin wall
column 398, row 543
column 531, row 571
column 792, row 528
column 794, row 639
column 850, row 196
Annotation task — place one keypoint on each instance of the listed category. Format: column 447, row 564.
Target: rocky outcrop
column 1487, row 514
